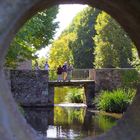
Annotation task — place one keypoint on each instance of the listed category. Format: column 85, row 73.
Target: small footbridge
column 88, row 85
column 71, row 83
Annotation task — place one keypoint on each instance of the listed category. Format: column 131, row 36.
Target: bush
column 75, row 96
column 130, row 78
column 115, row 101
column 52, row 75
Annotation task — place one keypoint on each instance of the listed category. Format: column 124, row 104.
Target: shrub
column 52, row 75
column 130, row 78
column 75, row 96
column 115, row 101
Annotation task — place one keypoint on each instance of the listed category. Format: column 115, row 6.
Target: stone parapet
column 111, row 78
column 30, row 88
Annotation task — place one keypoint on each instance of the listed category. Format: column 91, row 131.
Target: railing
column 76, row 74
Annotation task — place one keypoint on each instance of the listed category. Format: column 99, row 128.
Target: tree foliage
column 60, row 52
column 82, row 46
column 41, row 62
column 136, row 59
column 113, row 46
column 37, row 33
column 75, row 44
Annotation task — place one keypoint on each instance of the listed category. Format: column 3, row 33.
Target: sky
column 65, row 16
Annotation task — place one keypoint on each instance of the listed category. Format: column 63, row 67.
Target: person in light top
column 46, row 66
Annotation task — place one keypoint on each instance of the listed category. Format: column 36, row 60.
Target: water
column 69, row 122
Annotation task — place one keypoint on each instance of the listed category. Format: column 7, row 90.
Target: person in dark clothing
column 59, row 73
column 36, row 66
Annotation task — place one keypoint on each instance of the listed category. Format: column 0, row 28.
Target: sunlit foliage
column 37, row 33
column 75, row 44
column 115, row 101
column 82, row 46
column 113, row 46
column 75, row 96
column 60, row 52
column 67, row 116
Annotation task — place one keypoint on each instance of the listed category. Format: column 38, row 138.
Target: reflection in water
column 68, row 122
column 39, row 118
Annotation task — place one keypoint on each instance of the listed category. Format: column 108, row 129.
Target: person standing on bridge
column 59, row 73
column 36, row 66
column 65, row 68
column 46, row 67
column 69, row 72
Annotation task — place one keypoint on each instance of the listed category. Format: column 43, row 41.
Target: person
column 36, row 66
column 69, row 72
column 46, row 66
column 64, row 67
column 59, row 73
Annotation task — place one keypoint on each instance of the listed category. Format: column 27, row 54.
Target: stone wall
column 109, row 78
column 8, row 77
column 30, row 88
column 25, row 65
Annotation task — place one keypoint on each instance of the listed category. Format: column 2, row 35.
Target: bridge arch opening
column 18, row 12
column 62, row 95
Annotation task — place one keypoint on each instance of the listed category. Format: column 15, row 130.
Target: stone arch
column 13, row 14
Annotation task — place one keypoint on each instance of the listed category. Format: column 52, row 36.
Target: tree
column 41, row 62
column 77, row 39
column 82, row 46
column 60, row 52
column 37, row 33
column 113, row 46
column 136, row 60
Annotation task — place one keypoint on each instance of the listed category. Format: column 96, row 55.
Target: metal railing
column 76, row 74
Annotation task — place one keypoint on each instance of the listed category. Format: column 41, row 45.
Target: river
column 63, row 122
column 69, row 121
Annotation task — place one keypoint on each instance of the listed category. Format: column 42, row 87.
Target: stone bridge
column 13, row 14
column 88, row 85
column 33, row 89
